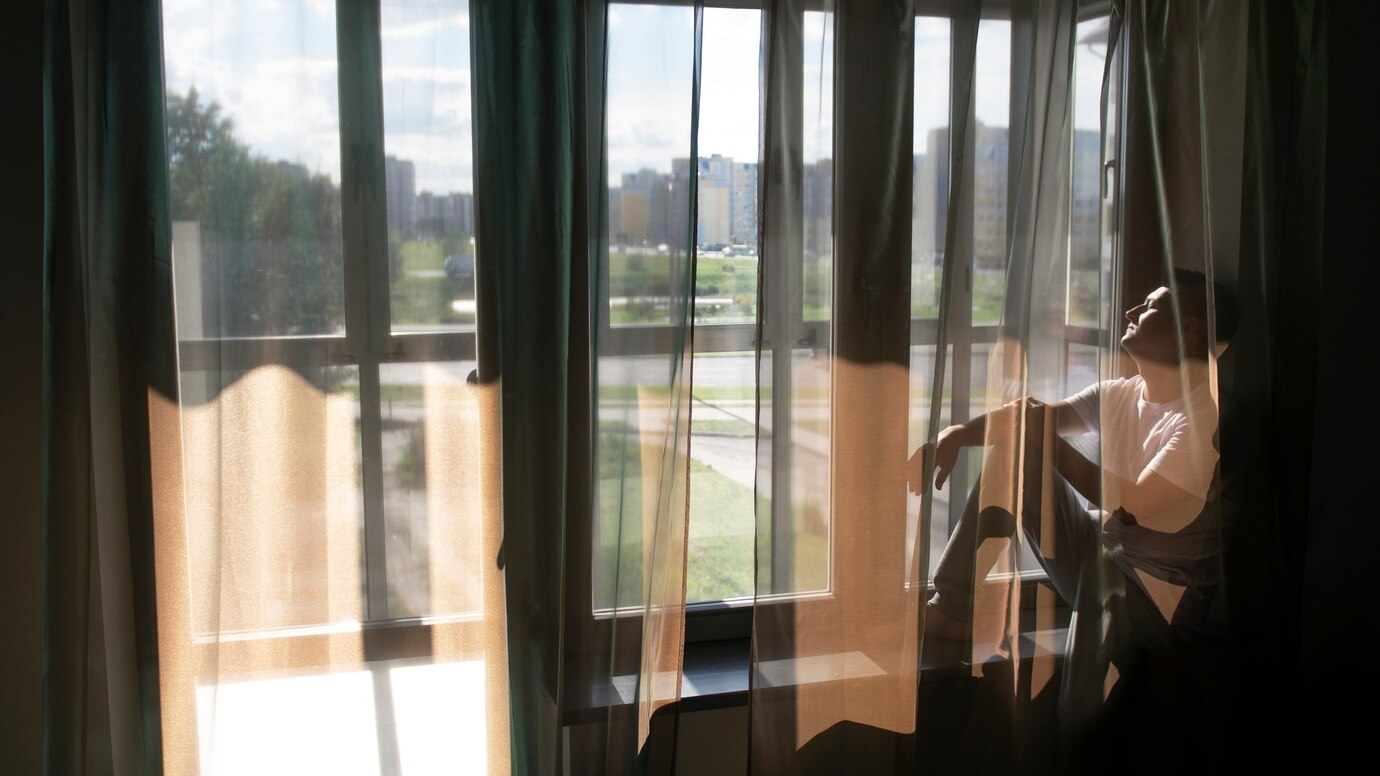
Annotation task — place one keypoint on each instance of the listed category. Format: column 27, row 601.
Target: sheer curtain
column 420, row 375
column 1009, row 265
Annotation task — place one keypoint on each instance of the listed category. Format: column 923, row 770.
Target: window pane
column 992, row 105
column 432, row 488
column 810, row 476
column 818, row 155
column 254, row 168
column 650, row 74
column 982, row 361
column 1089, row 265
column 428, row 168
column 723, row 465
column 273, row 501
column 726, row 222
column 625, row 384
column 930, row 200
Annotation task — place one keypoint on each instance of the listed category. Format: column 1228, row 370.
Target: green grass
column 424, row 300
column 615, row 393
column 720, row 427
column 421, row 255
column 722, row 532
column 648, row 275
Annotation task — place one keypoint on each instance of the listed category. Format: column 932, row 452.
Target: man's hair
column 1190, row 294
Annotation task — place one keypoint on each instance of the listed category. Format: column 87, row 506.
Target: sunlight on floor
column 412, row 718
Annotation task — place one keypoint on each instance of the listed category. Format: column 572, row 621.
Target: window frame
column 368, row 344
column 732, row 618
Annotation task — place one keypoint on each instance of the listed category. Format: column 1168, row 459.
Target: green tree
column 272, row 258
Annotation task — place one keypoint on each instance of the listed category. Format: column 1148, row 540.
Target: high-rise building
column 400, row 192
column 991, row 174
column 440, row 214
column 714, row 217
column 930, row 199
column 743, row 203
column 1085, row 228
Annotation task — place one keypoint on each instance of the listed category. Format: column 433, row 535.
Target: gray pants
column 1113, row 617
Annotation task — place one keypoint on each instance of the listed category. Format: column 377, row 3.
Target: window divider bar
column 782, row 250
column 364, row 220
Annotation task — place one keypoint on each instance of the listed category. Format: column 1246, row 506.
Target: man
column 1137, row 562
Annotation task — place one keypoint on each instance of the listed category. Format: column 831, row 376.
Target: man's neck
column 1167, row 382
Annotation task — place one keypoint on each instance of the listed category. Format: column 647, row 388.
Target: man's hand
column 951, row 443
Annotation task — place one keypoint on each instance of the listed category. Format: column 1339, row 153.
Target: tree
column 272, row 258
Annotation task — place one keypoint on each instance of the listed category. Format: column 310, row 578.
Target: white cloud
column 426, row 28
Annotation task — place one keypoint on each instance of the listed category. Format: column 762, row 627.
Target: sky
column 271, row 64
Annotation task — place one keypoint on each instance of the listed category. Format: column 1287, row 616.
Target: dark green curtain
column 107, row 341
column 525, row 59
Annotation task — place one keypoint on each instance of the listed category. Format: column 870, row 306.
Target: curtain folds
column 525, row 63
column 967, row 389
column 107, row 354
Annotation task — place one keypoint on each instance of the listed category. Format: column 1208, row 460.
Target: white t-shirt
column 1174, row 440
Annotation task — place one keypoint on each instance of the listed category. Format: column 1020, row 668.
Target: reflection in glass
column 428, row 168
column 818, row 155
column 431, row 484
column 650, row 74
column 254, row 169
column 1090, row 251
column 930, row 198
column 726, row 217
column 992, row 106
column 272, row 494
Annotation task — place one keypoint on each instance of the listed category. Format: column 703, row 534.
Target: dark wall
column 1339, row 615
column 21, row 224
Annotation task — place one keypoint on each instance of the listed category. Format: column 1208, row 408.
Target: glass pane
column 810, row 476
column 1084, row 364
column 992, row 105
column 983, row 401
column 726, row 222
column 431, row 487
column 930, row 198
column 722, row 468
column 254, row 168
column 273, row 500
column 1087, row 263
column 428, row 168
column 650, row 74
column 619, row 473
column 922, row 373
column 818, row 155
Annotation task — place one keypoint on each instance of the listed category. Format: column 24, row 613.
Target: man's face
column 1151, row 331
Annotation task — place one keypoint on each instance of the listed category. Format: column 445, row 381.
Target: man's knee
column 995, row 522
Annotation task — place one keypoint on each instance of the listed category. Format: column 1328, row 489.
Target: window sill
column 715, row 675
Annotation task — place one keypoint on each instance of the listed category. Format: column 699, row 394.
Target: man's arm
column 1146, row 501
column 973, row 433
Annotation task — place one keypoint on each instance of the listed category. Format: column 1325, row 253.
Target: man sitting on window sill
column 1136, row 555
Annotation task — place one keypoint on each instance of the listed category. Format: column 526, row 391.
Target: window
column 649, row 136
column 331, row 432
column 648, row 187
column 305, row 173
column 985, row 222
